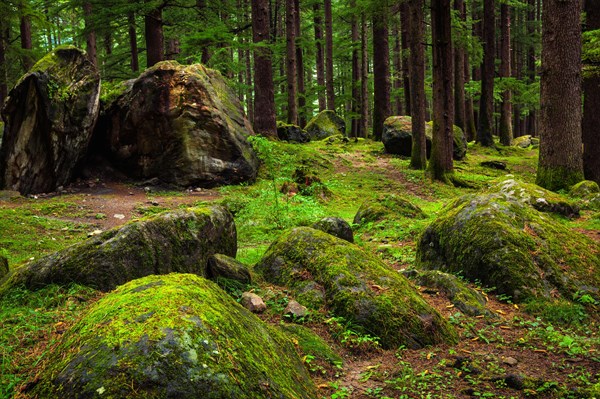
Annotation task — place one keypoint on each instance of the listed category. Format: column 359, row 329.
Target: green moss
column 584, row 188
column 536, row 197
column 324, row 124
column 390, row 206
column 173, row 336
column 357, row 286
column 558, row 178
column 311, row 344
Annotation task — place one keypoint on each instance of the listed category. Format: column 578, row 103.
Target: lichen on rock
column 324, row 124
column 355, row 285
column 178, row 336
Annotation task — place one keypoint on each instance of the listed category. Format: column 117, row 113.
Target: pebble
column 511, row 361
column 119, row 216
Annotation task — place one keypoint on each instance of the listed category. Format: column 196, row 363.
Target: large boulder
column 397, row 138
column 49, row 115
column 503, row 241
column 336, row 227
column 324, row 271
column 180, row 124
column 324, row 124
column 178, row 241
column 387, row 206
column 537, row 197
column 174, row 336
column 291, row 133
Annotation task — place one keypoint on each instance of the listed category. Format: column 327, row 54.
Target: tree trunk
column 486, row 107
column 154, row 37
column 300, row 67
column 205, row 50
column 397, row 77
column 505, row 128
column 415, row 26
column 292, row 78
column 591, row 105
column 459, row 75
column 364, row 78
column 440, row 165
column 135, row 66
column 404, row 38
column 3, row 73
column 561, row 154
column 381, row 70
column 264, row 97
column 91, row 34
column 329, row 55
column 108, row 43
column 319, row 56
column 26, row 42
column 355, row 125
column 531, row 72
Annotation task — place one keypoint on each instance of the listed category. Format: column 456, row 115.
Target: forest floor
column 518, row 352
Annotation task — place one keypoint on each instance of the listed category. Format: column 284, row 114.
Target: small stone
column 147, row 189
column 154, row 203
column 295, row 310
column 511, row 361
column 253, row 302
column 94, row 233
column 119, row 216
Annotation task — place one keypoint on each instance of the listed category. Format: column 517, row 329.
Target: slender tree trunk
column 561, row 154
column 264, row 97
column 319, row 56
column 486, row 108
column 505, row 128
column 416, row 30
column 108, row 43
column 205, row 48
column 381, row 70
column 397, row 77
column 329, row 56
column 135, row 66
column 154, row 37
column 404, row 38
column 459, row 76
column 91, row 34
column 440, row 165
column 364, row 78
column 3, row 73
column 591, row 105
column 26, row 41
column 292, row 77
column 355, row 125
column 300, row 67
column 531, row 72
column 470, row 125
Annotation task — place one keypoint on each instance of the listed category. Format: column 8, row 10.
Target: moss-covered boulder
column 49, row 115
column 221, row 266
column 177, row 241
column 504, row 242
column 459, row 141
column 180, row 124
column 311, row 344
column 324, row 124
column 537, row 197
column 584, row 188
column 336, row 227
column 389, row 206
column 173, row 336
column 324, row 271
column 525, row 141
column 292, row 133
column 463, row 297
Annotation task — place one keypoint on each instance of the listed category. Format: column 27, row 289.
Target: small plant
column 350, row 336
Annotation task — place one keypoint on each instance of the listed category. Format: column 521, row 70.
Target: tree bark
column 440, row 165
column 364, row 78
column 300, row 67
column 591, row 105
column 154, row 37
column 531, row 70
column 135, row 66
column 404, row 39
column 561, row 154
column 26, row 41
column 415, row 26
column 319, row 56
column 264, row 97
column 329, row 56
column 91, row 34
column 292, row 78
column 356, row 100
column 459, row 75
column 398, row 108
column 505, row 128
column 381, row 70
column 4, row 30
column 486, row 107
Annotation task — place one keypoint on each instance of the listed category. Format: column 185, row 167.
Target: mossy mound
column 525, row 141
column 291, row 133
column 324, row 124
column 311, row 344
column 466, row 299
column 584, row 188
column 537, row 197
column 503, row 242
column 173, row 336
column 388, row 206
column 325, row 271
column 177, row 241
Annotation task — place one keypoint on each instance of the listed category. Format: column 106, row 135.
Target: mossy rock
column 173, row 336
column 311, row 344
column 324, row 124
column 584, row 188
column 525, row 141
column 177, row 241
column 536, row 197
column 292, row 133
column 223, row 266
column 459, row 141
column 355, row 285
column 503, row 242
column 337, row 227
column 389, row 206
column 464, row 298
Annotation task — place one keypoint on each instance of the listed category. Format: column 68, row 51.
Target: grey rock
column 224, row 266
column 336, row 227
column 253, row 302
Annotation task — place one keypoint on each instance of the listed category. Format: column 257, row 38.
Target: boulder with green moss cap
column 292, row 133
column 324, row 124
column 49, row 115
column 223, row 266
column 176, row 241
column 387, row 206
column 503, row 241
column 324, row 271
column 584, row 188
column 537, row 197
column 336, row 227
column 173, row 336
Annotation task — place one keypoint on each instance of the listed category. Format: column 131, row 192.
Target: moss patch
column 388, row 206
column 324, row 124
